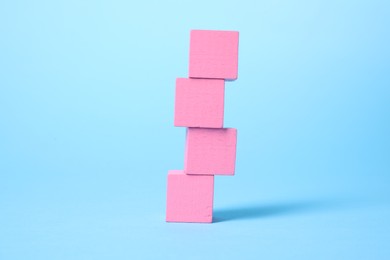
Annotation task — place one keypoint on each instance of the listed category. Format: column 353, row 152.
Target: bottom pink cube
column 189, row 197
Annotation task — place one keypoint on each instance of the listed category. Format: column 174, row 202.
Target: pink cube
column 213, row 54
column 199, row 102
column 189, row 197
column 210, row 151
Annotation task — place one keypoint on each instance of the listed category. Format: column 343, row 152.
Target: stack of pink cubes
column 199, row 106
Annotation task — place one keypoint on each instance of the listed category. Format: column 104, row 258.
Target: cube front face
column 199, row 102
column 189, row 197
column 213, row 54
column 210, row 151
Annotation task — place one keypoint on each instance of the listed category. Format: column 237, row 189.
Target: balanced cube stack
column 199, row 106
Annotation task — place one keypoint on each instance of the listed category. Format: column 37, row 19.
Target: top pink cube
column 213, row 54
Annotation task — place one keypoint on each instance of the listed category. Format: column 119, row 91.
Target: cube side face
column 213, row 54
column 189, row 198
column 199, row 103
column 210, row 151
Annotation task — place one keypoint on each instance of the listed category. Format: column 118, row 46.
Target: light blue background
column 87, row 136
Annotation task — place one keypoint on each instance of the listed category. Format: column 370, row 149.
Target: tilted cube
column 199, row 102
column 210, row 151
column 189, row 197
column 213, row 54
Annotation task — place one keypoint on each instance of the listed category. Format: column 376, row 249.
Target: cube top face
column 199, row 102
column 189, row 197
column 213, row 54
column 210, row 151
